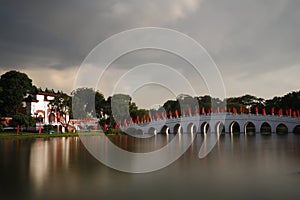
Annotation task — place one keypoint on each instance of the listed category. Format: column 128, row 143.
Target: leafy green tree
column 120, row 106
column 21, row 119
column 87, row 102
column 100, row 104
column 15, row 88
column 288, row 101
column 171, row 105
column 62, row 103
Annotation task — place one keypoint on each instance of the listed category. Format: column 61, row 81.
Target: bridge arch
column 130, row 131
column 265, row 128
column 192, row 128
column 152, row 131
column 220, row 128
column 165, row 130
column 282, row 129
column 296, row 130
column 250, row 128
column 234, row 128
column 177, row 129
column 205, row 128
column 139, row 132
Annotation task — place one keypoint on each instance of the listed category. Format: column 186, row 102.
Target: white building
column 40, row 110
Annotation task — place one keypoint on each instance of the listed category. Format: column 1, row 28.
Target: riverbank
column 26, row 135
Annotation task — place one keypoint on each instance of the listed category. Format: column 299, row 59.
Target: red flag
column 264, row 111
column 249, row 109
column 241, row 109
column 182, row 112
column 190, row 112
column 291, row 112
column 116, row 126
column 125, row 122
column 104, row 127
column 40, row 129
column 273, row 111
column 256, row 110
column 295, row 114
column 280, row 112
column 196, row 110
column 176, row 113
column 130, row 121
column 157, row 116
column 170, row 114
column 229, row 110
column 286, row 112
column 18, row 130
column 203, row 111
column 218, row 109
column 234, row 111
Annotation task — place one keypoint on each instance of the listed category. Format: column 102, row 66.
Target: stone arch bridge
column 219, row 123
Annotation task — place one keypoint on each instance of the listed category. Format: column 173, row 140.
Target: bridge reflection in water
column 61, row 168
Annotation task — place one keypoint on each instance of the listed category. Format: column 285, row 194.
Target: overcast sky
column 255, row 43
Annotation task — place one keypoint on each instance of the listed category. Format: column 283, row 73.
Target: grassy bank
column 25, row 135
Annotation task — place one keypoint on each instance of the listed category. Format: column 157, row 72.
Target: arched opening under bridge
column 192, row 128
column 177, row 129
column 220, row 128
column 205, row 128
column 266, row 129
column 152, row 131
column 165, row 130
column 234, row 128
column 282, row 129
column 297, row 130
column 250, row 128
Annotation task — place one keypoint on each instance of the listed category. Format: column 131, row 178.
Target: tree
column 100, row 103
column 120, row 106
column 62, row 103
column 15, row 87
column 21, row 119
column 87, row 102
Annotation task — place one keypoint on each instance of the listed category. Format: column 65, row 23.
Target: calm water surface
column 239, row 167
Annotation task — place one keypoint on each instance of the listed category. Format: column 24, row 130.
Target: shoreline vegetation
column 32, row 135
column 29, row 135
column 88, row 109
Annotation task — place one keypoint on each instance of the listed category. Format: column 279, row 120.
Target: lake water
column 239, row 167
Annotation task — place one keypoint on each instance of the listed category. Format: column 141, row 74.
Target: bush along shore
column 23, row 135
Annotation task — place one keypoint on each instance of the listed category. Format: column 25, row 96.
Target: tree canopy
column 15, row 88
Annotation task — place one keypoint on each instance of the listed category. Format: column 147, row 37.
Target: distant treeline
column 16, row 88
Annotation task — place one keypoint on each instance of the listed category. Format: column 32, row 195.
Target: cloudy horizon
column 254, row 43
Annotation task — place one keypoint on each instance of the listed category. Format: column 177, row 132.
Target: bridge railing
column 268, row 117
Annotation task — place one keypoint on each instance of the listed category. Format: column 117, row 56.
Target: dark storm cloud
column 46, row 33
column 61, row 33
column 245, row 38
